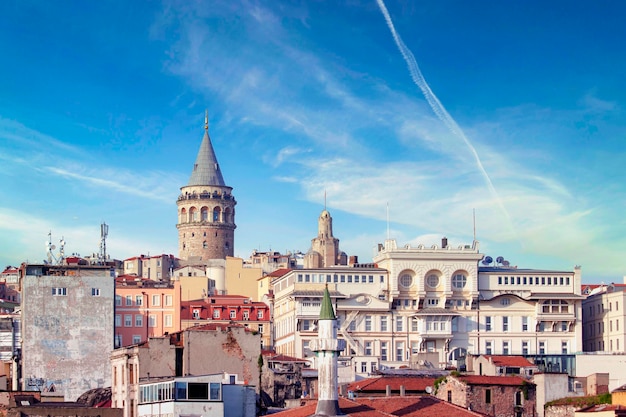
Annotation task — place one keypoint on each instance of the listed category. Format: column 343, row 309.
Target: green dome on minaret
column 327, row 312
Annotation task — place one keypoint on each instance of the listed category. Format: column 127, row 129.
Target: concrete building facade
column 67, row 325
column 604, row 318
column 206, row 209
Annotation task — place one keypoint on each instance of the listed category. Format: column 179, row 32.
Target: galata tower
column 206, row 209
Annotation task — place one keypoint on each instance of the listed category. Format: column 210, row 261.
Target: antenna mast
column 104, row 232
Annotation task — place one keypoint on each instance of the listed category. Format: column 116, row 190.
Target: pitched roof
column 422, row 406
column 492, row 380
column 272, row 357
column 514, row 361
column 379, row 384
column 206, row 170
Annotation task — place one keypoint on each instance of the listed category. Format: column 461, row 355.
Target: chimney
column 354, row 260
column 444, row 242
column 388, row 391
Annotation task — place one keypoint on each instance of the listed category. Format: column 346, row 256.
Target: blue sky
column 512, row 109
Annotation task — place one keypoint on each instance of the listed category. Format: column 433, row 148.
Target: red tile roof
column 422, row 406
column 503, row 360
column 379, row 384
column 278, row 273
column 492, row 380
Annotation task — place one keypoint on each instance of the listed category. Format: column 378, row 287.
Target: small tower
column 327, row 348
column 206, row 209
column 324, row 250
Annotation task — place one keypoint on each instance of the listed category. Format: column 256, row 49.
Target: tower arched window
column 204, row 214
column 216, row 214
column 193, row 214
column 183, row 216
column 205, row 245
column 459, row 281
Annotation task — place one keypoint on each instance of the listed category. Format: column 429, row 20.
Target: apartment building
column 67, row 328
column 228, row 309
column 145, row 308
column 604, row 318
column 156, row 268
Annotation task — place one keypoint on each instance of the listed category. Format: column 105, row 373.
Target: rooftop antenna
column 104, row 232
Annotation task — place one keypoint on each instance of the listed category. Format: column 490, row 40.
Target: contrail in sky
column 436, row 105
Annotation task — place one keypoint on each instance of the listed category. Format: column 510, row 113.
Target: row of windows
column 138, row 300
column 459, row 281
column 600, row 308
column 138, row 321
column 216, row 215
column 233, row 314
column 530, row 281
column 600, row 346
column 339, row 278
column 62, row 291
column 506, row 347
column 180, row 391
column 600, row 327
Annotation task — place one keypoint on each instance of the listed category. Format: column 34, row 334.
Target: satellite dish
column 499, row 259
column 429, row 390
column 487, row 260
column 506, row 263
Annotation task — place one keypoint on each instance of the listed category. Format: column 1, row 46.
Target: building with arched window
column 206, row 209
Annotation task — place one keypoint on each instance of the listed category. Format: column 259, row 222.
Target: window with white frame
column 261, row 328
column 368, row 323
column 128, row 320
column 118, row 320
column 195, row 314
column 564, row 347
column 118, row 340
column 399, row 351
column 118, row 300
column 384, row 351
column 542, row 347
column 233, row 314
column 59, row 291
column 152, row 321
column 368, row 348
column 524, row 323
column 459, row 281
column 167, row 319
column 487, row 323
column 406, row 280
column 169, row 300
column 156, row 300
column 399, row 323
column 138, row 320
column 216, row 314
column 414, row 324
column 505, row 347
column 524, row 347
column 95, row 292
column 383, row 323
column 259, row 314
column 488, row 347
column 139, row 299
column 136, row 339
column 129, row 300
column 246, row 315
column 432, row 281
column 505, row 324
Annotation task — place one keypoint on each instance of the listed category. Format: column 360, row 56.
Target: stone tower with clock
column 206, row 209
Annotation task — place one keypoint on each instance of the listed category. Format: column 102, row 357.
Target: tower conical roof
column 206, row 170
column 327, row 312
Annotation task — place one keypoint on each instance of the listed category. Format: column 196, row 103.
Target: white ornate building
column 429, row 306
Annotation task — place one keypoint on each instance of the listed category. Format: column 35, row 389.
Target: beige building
column 206, row 209
column 155, row 268
column 604, row 318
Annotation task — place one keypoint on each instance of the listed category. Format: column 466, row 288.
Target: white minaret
column 327, row 349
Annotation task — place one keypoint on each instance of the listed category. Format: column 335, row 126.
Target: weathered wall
column 560, row 411
column 550, row 387
column 64, row 333
column 233, row 350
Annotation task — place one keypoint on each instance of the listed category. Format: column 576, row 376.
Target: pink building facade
column 145, row 308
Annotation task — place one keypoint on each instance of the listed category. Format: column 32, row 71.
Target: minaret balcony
column 334, row 345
